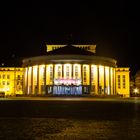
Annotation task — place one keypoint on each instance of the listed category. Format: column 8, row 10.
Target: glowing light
column 136, row 90
column 67, row 81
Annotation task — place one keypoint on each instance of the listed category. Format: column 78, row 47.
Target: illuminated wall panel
column 67, row 71
column 101, row 79
column 35, row 72
column 107, row 88
column 41, row 78
column 49, row 74
column 86, row 75
column 94, row 78
column 111, row 82
column 77, row 71
column 58, row 71
column 29, row 80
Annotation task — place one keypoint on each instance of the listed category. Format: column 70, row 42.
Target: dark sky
column 113, row 26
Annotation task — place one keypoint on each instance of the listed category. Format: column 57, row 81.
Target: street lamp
column 136, row 90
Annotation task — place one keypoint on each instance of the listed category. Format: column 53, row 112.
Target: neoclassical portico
column 73, row 72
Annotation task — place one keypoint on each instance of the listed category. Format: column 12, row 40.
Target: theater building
column 74, row 70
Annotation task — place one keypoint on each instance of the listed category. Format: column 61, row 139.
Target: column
column 29, row 79
column 82, row 76
column 98, row 79
column 26, row 80
column 115, row 81
column 110, row 81
column 38, row 80
column 90, row 82
column 72, row 71
column 111, row 77
column 32, row 86
column 62, row 70
column 104, row 80
column 53, row 69
column 45, row 90
column 101, row 79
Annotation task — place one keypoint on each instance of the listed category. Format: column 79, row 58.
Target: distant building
column 74, row 70
column 122, row 80
column 67, row 70
column 11, row 80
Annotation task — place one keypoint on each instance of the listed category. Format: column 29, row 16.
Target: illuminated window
column 18, row 77
column 3, row 82
column 123, row 77
column 59, row 71
column 3, row 76
column 119, row 82
column 8, row 83
column 76, row 72
column 8, row 76
column 67, row 72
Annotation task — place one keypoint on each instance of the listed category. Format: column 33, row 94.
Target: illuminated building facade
column 122, row 81
column 11, row 80
column 74, row 70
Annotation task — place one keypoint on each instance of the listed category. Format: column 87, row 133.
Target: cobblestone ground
column 67, row 129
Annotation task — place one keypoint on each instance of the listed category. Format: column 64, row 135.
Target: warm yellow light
column 41, row 68
column 101, row 69
column 136, row 90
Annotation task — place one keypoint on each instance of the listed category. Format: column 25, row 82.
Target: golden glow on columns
column 41, row 68
column 58, row 71
column 77, row 71
column 107, row 80
column 67, row 71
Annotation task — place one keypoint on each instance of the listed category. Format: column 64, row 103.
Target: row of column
column 100, row 79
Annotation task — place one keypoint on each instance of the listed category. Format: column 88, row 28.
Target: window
column 8, row 83
column 3, row 82
column 8, row 76
column 59, row 71
column 76, row 72
column 119, row 82
column 67, row 71
column 124, row 81
column 3, row 76
column 18, row 77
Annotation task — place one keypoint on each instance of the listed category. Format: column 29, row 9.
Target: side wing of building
column 11, row 80
column 123, row 81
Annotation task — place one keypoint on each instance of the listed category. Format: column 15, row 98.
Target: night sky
column 25, row 28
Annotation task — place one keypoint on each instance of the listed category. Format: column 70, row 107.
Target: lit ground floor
column 70, row 79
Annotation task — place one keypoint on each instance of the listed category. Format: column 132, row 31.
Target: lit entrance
column 67, row 87
column 67, row 90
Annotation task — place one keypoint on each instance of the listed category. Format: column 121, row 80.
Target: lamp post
column 136, row 91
